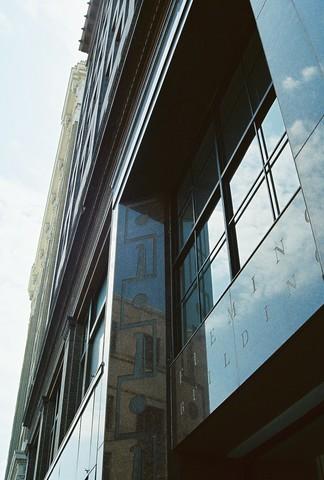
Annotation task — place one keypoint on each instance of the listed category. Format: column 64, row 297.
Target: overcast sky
column 39, row 45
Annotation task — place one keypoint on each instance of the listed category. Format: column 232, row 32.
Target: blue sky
column 39, row 45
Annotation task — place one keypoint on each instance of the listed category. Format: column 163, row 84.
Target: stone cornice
column 89, row 24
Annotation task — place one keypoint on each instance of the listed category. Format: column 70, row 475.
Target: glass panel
column 310, row 164
column 254, row 223
column 184, row 192
column 285, row 177
column 246, row 174
column 279, row 289
column 204, row 172
column 186, row 223
column 311, row 14
column 273, row 127
column 101, row 297
column 190, row 314
column 188, row 271
column 85, row 439
column 69, row 455
column 135, row 439
column 96, row 350
column 294, row 69
column 256, row 69
column 235, row 113
column 236, row 123
column 213, row 280
column 210, row 234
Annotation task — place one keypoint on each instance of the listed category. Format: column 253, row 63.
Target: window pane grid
column 251, row 158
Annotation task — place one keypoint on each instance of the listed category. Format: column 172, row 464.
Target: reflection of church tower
column 136, row 422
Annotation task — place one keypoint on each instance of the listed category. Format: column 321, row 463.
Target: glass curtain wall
column 239, row 182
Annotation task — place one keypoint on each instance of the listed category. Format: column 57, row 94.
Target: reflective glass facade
column 251, row 179
column 185, row 331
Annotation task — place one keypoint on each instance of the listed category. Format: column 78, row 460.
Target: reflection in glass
column 311, row 14
column 210, row 234
column 246, row 174
column 96, row 350
column 190, row 314
column 279, row 289
column 254, row 223
column 85, row 439
column 101, row 297
column 285, row 177
column 214, row 279
column 135, row 428
column 273, row 127
column 294, row 68
column 188, row 271
column 186, row 222
column 68, row 460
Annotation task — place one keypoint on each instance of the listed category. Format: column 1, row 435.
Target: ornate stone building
column 41, row 277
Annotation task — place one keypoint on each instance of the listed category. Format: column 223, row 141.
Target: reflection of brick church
column 136, row 418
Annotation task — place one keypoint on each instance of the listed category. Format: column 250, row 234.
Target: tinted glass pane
column 246, row 174
column 101, row 297
column 210, row 234
column 185, row 223
column 96, row 350
column 273, row 127
column 204, row 172
column 254, row 223
column 235, row 113
column 258, row 80
column 213, row 280
column 188, row 271
column 285, row 177
column 184, row 192
column 236, row 123
column 190, row 314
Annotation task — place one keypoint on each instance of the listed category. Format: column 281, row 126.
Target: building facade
column 41, row 277
column 184, row 335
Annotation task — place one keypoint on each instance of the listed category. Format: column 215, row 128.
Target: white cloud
column 290, row 83
column 308, row 73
